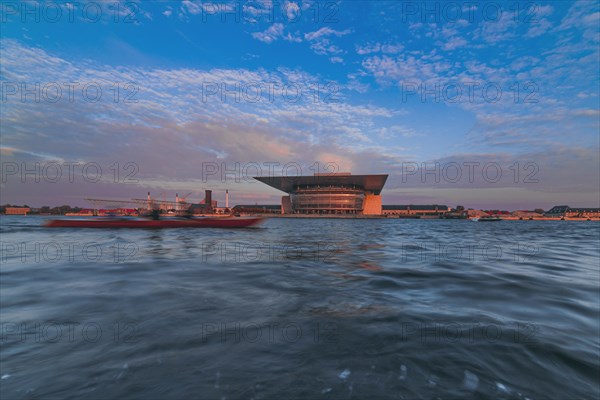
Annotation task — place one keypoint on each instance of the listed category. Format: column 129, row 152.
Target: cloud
column 293, row 38
column 191, row 7
column 404, row 68
column 355, row 84
column 539, row 28
column 542, row 11
column 273, row 33
column 322, row 44
column 587, row 113
column 177, row 121
column 324, row 32
column 292, row 10
column 454, row 43
column 378, row 47
column 325, row 47
column 581, row 14
column 396, row 131
column 496, row 30
column 368, row 49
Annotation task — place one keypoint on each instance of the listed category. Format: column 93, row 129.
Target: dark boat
column 487, row 219
column 220, row 222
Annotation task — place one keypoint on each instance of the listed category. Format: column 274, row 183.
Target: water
column 302, row 308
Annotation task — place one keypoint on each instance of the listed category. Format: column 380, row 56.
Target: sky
column 486, row 104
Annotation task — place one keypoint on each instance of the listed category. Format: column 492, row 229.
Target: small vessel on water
column 489, row 218
column 152, row 214
column 138, row 223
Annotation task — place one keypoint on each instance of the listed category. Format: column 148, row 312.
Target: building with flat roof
column 571, row 212
column 415, row 209
column 331, row 193
column 257, row 208
column 17, row 210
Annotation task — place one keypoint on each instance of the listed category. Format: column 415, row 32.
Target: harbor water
column 302, row 308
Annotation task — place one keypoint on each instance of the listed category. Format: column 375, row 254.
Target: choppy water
column 302, row 309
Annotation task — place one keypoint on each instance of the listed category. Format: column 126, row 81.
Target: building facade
column 334, row 193
column 569, row 212
column 17, row 210
column 413, row 209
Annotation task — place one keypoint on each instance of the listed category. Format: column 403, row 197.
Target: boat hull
column 156, row 224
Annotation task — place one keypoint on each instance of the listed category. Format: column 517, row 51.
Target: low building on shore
column 415, row 210
column 573, row 212
column 85, row 212
column 583, row 213
column 257, row 209
column 524, row 214
column 17, row 210
column 471, row 213
column 206, row 206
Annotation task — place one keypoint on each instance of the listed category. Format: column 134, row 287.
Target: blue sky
column 367, row 86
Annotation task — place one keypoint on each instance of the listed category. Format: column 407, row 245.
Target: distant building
column 557, row 211
column 568, row 212
column 206, row 206
column 524, row 214
column 203, row 208
column 84, row 212
column 105, row 212
column 331, row 193
column 476, row 213
column 414, row 209
column 257, row 208
column 17, row 210
column 584, row 212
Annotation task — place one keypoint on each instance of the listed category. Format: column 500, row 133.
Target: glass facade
column 327, row 200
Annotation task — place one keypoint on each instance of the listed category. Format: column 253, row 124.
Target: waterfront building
column 524, row 214
column 415, row 209
column 471, row 213
column 206, row 206
column 257, row 209
column 330, row 193
column 575, row 212
column 583, row 213
column 17, row 210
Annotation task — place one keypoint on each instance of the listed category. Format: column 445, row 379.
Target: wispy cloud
column 324, row 32
column 321, row 42
column 273, row 33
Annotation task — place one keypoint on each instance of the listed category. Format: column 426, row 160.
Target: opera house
column 329, row 193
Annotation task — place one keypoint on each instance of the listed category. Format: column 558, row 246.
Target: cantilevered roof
column 289, row 184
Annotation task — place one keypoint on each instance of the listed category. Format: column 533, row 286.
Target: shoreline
column 300, row 216
column 306, row 216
